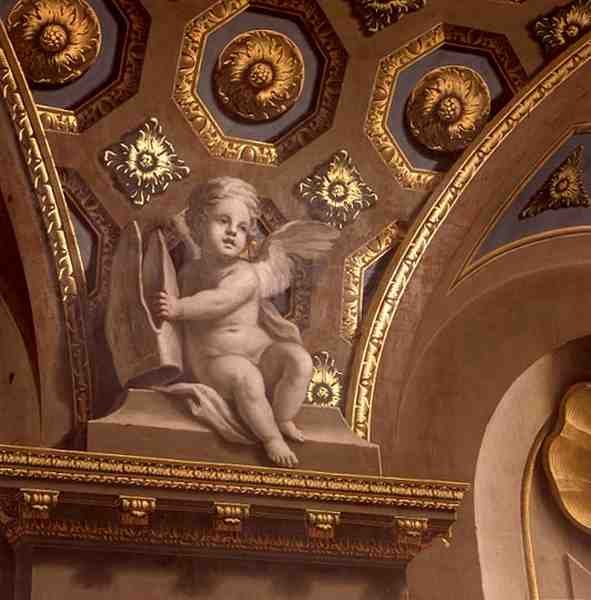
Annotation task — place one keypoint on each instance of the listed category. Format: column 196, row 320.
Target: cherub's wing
column 304, row 239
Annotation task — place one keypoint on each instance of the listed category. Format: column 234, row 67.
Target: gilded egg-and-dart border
column 195, row 111
column 495, row 46
column 126, row 84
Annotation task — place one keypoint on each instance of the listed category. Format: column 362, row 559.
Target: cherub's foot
column 290, row 431
column 278, row 451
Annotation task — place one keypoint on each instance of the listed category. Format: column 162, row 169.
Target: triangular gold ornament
column 563, row 189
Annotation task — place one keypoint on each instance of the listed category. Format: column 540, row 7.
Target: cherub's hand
column 167, row 307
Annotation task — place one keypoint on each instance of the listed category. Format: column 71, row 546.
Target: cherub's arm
column 233, row 291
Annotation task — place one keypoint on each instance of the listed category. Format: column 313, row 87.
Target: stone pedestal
column 150, row 423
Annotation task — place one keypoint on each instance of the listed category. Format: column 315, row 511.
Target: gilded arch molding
column 47, row 192
column 444, row 199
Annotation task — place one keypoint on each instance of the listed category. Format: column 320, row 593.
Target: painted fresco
column 239, row 92
column 216, row 327
column 227, row 219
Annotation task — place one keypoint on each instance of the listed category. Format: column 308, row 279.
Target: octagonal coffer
column 432, row 97
column 259, row 80
column 85, row 59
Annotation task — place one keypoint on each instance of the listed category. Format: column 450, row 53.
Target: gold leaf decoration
column 297, row 135
column 259, row 75
column 377, row 14
column 447, row 108
column 366, row 365
column 390, row 67
column 356, row 265
column 563, row 26
column 107, row 98
column 144, row 163
column 56, row 41
column 326, row 385
column 335, row 192
column 98, row 218
column 567, row 456
column 36, row 155
column 563, row 189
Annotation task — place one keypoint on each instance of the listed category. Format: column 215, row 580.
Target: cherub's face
column 227, row 227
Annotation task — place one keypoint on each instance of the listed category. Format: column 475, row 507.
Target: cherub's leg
column 237, row 378
column 287, row 368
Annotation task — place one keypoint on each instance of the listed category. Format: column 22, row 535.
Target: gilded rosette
column 326, row 385
column 56, row 41
column 377, row 14
column 145, row 163
column 567, row 454
column 447, row 108
column 335, row 192
column 259, row 75
column 563, row 189
column 564, row 25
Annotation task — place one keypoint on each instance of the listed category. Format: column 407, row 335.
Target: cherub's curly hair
column 205, row 197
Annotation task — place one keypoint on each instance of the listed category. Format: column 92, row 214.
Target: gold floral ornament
column 56, row 41
column 563, row 189
column 567, row 456
column 335, row 192
column 259, row 75
column 326, row 385
column 563, row 26
column 144, row 163
column 377, row 14
column 447, row 108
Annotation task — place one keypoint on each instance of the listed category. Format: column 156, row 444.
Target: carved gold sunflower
column 326, row 385
column 564, row 25
column 56, row 41
column 335, row 192
column 144, row 163
column 377, row 14
column 259, row 75
column 447, row 108
column 564, row 188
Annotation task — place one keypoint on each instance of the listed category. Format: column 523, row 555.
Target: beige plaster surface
column 19, row 403
column 580, row 579
column 524, row 409
column 459, row 382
